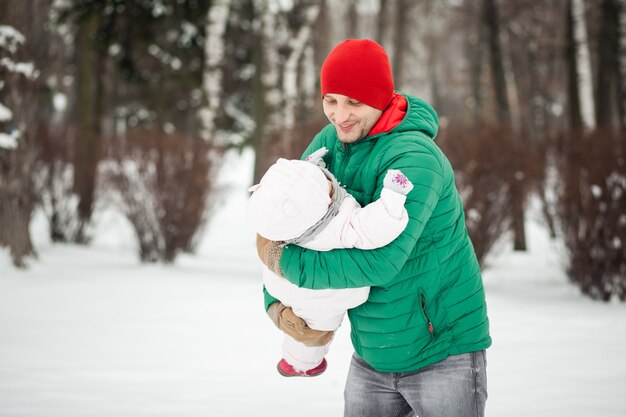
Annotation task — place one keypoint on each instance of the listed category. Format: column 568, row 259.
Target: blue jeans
column 454, row 387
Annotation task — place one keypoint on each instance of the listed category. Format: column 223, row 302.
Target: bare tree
column 503, row 110
column 400, row 42
column 381, row 28
column 608, row 103
column 285, row 35
column 492, row 27
column 90, row 54
column 622, row 62
column 22, row 51
column 352, row 19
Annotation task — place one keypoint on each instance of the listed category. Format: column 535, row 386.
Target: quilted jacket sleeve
column 348, row 268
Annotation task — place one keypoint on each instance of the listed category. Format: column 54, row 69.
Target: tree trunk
column 20, row 92
column 573, row 80
column 217, row 18
column 576, row 122
column 267, row 92
column 381, row 27
column 322, row 44
column 583, row 64
column 607, row 99
column 15, row 213
column 492, row 24
column 621, row 56
column 281, row 82
column 89, row 59
column 400, row 40
column 474, row 53
column 259, row 112
column 353, row 19
column 290, row 72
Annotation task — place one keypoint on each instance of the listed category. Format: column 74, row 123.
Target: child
column 301, row 202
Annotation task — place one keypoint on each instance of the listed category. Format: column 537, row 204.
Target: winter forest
column 161, row 113
column 130, row 104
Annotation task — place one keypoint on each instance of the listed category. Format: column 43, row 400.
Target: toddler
column 301, row 202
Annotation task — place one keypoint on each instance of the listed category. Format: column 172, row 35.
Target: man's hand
column 269, row 253
column 284, row 318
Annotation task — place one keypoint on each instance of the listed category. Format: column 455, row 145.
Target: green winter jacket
column 426, row 300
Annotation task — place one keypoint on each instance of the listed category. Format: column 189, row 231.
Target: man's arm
column 348, row 268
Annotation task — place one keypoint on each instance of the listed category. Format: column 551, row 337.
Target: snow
column 9, row 141
column 27, row 69
column 596, row 190
column 10, row 38
column 90, row 332
column 5, row 113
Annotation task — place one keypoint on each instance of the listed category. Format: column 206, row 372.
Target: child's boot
column 287, row 370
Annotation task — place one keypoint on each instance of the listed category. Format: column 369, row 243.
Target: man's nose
column 342, row 113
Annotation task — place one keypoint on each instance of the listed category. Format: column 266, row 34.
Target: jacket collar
column 392, row 116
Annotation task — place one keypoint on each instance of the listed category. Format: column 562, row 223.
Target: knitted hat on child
column 290, row 198
column 359, row 69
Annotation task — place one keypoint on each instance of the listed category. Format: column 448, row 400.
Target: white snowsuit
column 369, row 227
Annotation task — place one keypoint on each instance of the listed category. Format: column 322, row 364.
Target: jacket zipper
column 431, row 329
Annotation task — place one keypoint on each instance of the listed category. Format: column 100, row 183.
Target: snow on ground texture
column 91, row 332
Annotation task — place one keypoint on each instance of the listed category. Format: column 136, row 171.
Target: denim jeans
column 454, row 387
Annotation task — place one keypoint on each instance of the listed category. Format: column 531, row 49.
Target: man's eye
column 354, row 103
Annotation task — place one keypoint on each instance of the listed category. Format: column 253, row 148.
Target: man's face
column 352, row 119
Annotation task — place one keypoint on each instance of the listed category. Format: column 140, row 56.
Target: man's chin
column 348, row 138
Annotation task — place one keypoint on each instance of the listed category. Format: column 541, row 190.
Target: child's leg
column 303, row 357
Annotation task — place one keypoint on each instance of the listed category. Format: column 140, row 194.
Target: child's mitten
column 316, row 157
column 285, row 319
column 396, row 181
column 270, row 253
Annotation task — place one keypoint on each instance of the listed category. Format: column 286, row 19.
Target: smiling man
column 421, row 336
column 352, row 119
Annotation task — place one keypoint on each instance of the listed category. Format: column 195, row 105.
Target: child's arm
column 370, row 227
column 379, row 223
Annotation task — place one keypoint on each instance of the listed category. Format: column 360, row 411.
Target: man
column 421, row 336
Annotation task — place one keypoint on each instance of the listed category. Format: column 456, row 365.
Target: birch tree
column 286, row 34
column 217, row 19
column 583, row 65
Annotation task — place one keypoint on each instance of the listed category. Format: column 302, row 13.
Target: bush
column 166, row 187
column 591, row 204
column 492, row 166
column 54, row 181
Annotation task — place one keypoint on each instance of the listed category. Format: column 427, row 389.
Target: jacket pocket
column 429, row 323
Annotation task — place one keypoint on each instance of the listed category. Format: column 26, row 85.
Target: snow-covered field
column 91, row 332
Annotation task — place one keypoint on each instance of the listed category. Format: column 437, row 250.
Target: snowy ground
column 91, row 332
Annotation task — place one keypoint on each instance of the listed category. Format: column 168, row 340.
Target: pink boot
column 287, row 370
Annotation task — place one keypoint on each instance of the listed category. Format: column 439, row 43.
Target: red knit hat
column 360, row 69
